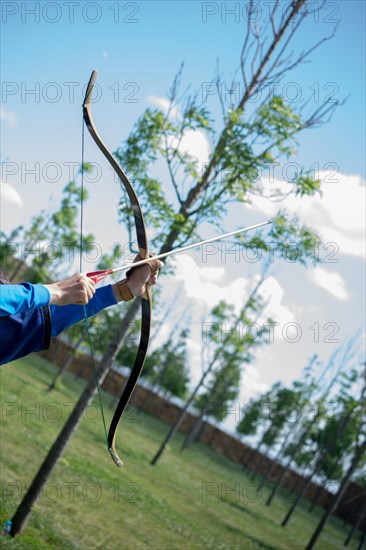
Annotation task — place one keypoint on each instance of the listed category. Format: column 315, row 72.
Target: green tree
column 284, row 403
column 357, row 454
column 304, row 389
column 50, row 238
column 231, row 347
column 298, row 453
column 341, row 429
column 221, row 390
column 166, row 366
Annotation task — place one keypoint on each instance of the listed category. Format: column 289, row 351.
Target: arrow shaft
column 189, row 246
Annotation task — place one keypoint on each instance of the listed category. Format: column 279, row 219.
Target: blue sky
column 149, row 51
column 139, row 55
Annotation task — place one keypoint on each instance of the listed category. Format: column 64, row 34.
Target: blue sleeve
column 31, row 330
column 23, row 333
column 65, row 316
column 16, row 299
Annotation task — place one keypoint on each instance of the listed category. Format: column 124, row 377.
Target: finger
column 81, row 278
column 152, row 256
column 154, row 266
column 89, row 294
column 91, row 286
column 86, row 290
column 86, row 280
column 152, row 280
column 87, row 284
column 154, row 277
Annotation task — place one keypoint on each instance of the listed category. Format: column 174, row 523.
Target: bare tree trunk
column 362, row 540
column 355, row 526
column 329, row 511
column 65, row 364
column 287, row 465
column 303, row 435
column 318, row 463
column 193, row 434
column 261, row 457
column 22, row 513
column 273, row 463
column 257, row 458
column 182, row 415
column 318, row 492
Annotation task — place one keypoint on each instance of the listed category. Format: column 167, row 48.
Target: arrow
column 98, row 276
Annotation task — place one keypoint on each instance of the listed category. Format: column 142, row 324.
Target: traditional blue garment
column 18, row 298
column 27, row 322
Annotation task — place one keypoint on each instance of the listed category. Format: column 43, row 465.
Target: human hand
column 139, row 277
column 77, row 289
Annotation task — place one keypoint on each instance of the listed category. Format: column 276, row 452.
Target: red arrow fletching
column 98, row 276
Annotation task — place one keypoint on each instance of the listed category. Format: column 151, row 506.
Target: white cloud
column 338, row 215
column 9, row 117
column 194, row 142
column 163, row 103
column 251, row 383
column 105, row 55
column 332, row 282
column 9, row 194
column 273, row 294
column 206, row 284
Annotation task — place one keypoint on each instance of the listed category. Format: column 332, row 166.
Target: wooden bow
column 146, row 299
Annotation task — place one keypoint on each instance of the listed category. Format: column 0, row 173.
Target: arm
column 123, row 291
column 66, row 316
column 31, row 329
column 15, row 299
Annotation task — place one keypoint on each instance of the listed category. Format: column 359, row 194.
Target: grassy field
column 192, row 500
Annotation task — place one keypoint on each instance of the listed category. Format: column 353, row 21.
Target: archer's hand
column 77, row 289
column 139, row 277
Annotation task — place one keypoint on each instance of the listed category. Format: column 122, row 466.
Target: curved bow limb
column 146, row 299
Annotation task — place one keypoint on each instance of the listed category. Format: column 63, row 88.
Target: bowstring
column 81, row 244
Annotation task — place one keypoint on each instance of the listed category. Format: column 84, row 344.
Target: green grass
column 90, row 503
